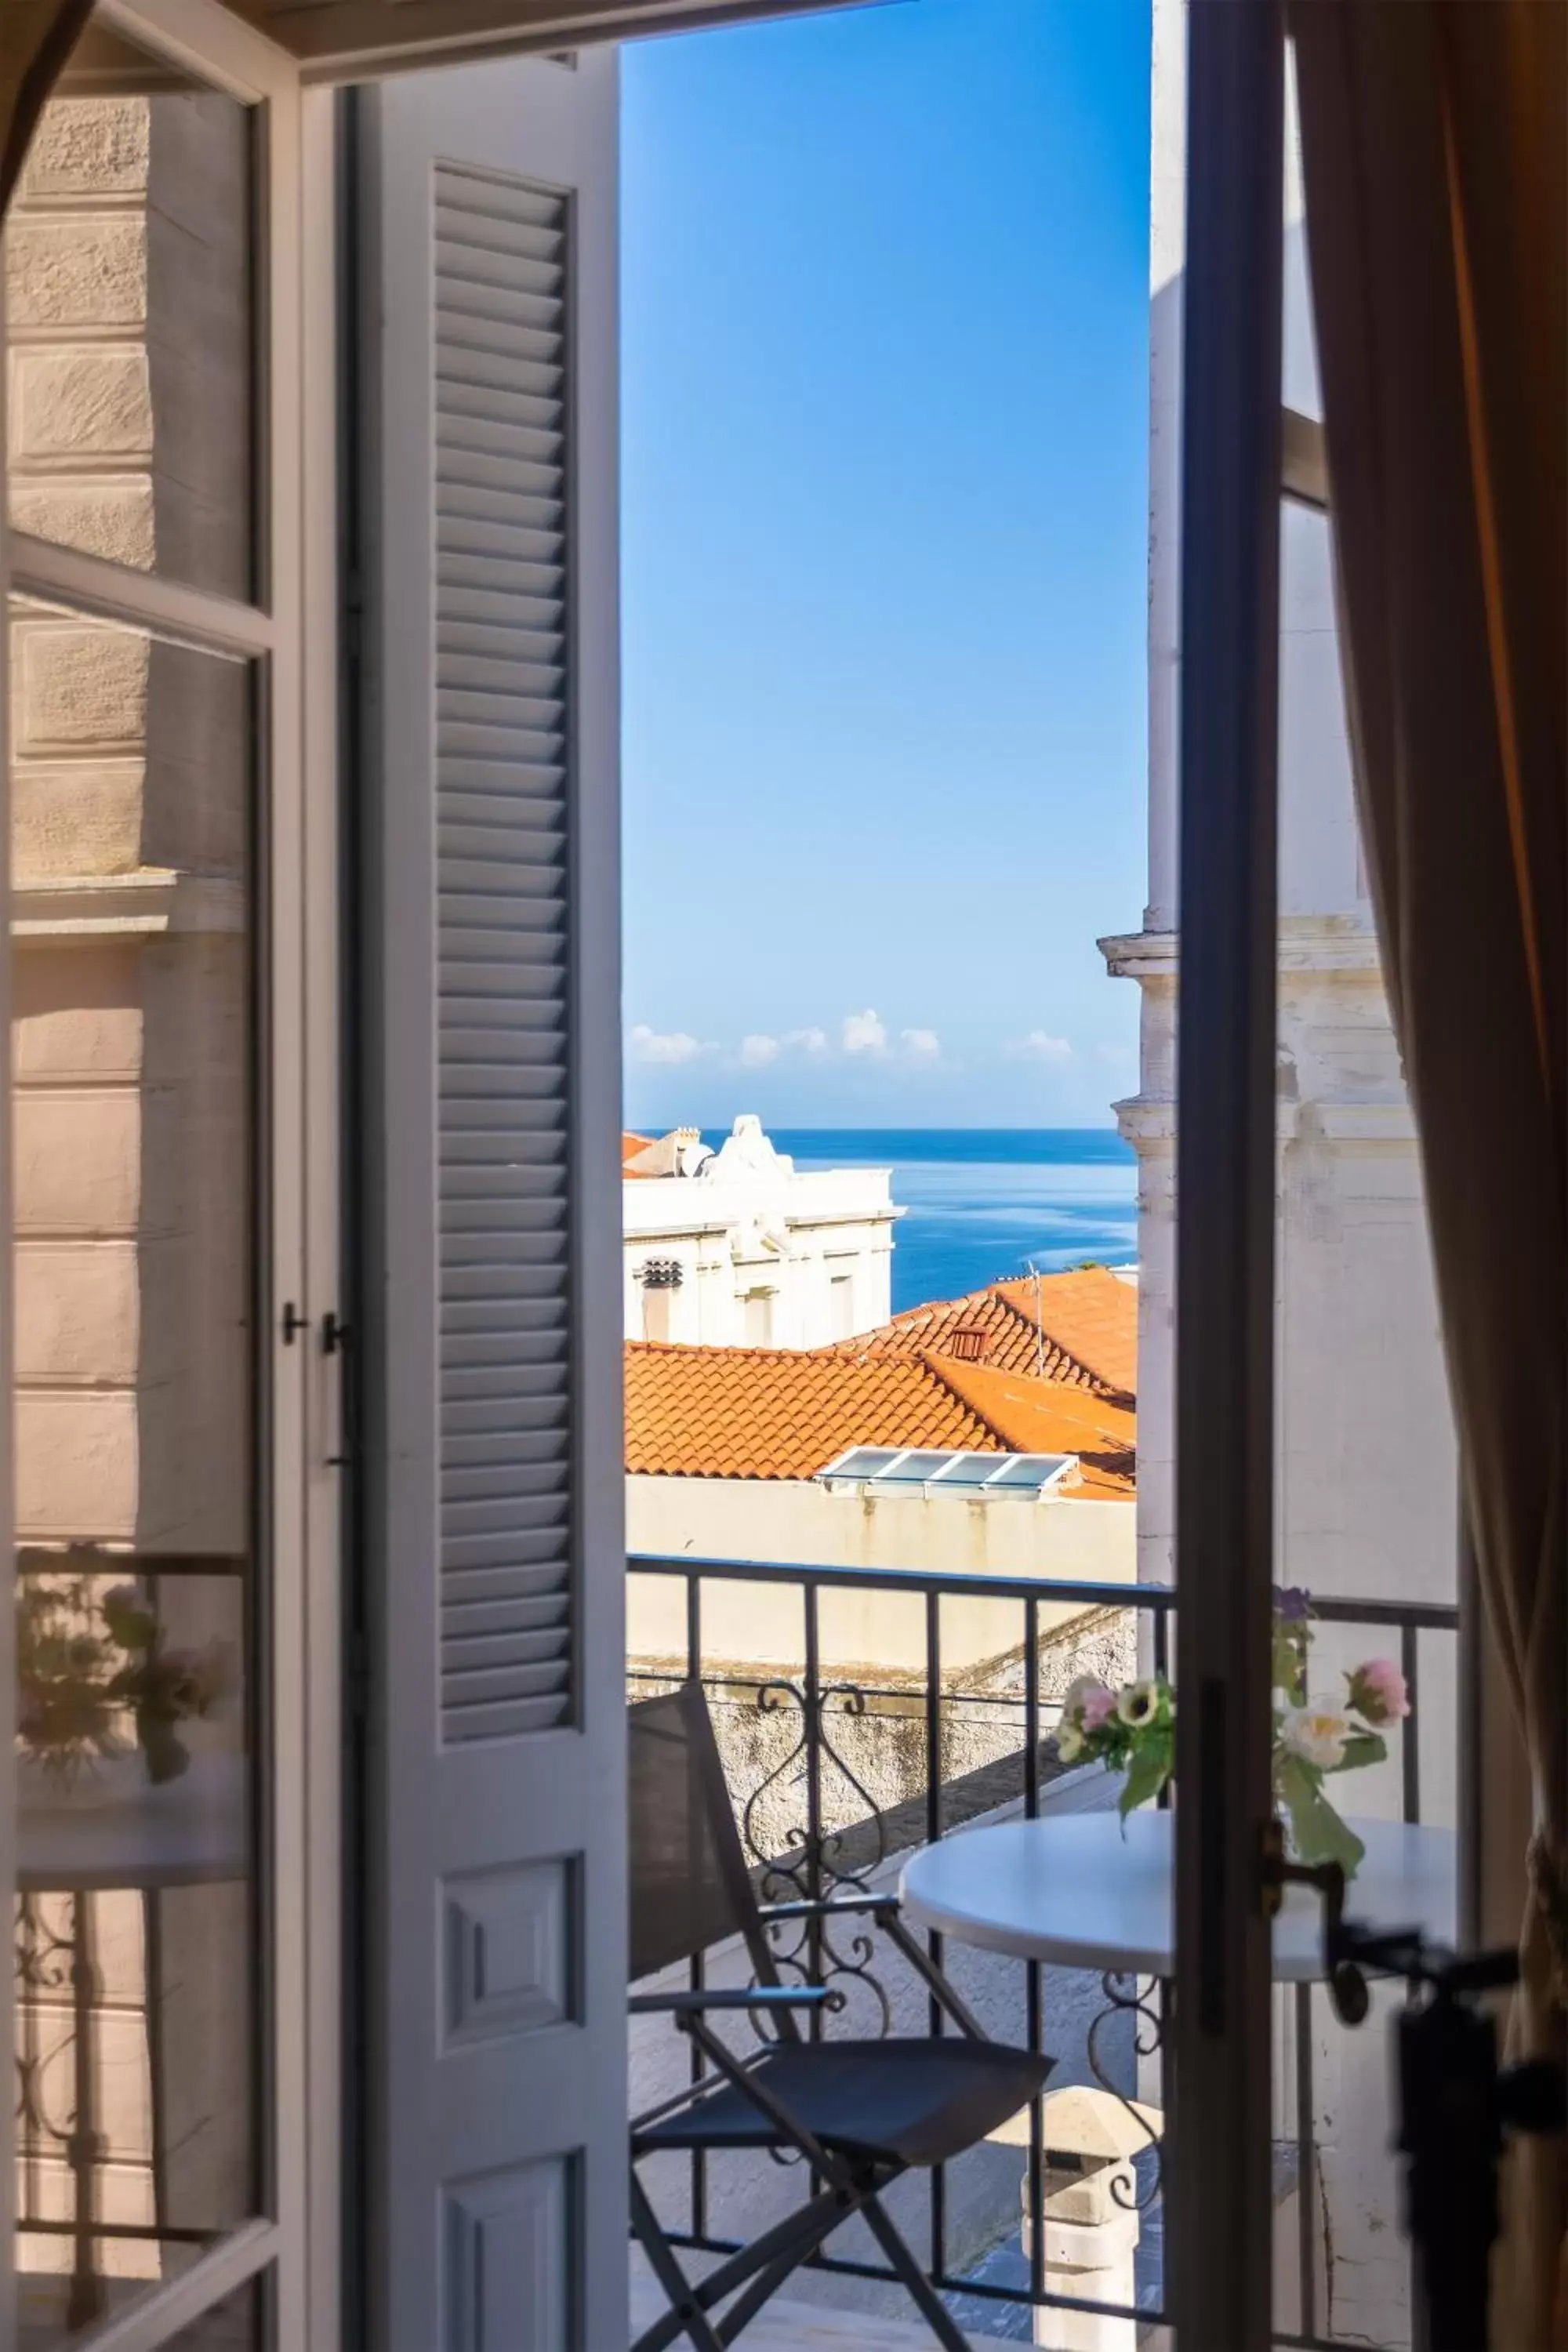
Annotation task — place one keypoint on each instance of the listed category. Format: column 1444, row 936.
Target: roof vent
column 968, row 1343
column 921, row 1470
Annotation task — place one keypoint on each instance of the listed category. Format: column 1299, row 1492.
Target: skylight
column 921, row 1469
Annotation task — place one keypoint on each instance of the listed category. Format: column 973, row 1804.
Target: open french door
column 1219, row 2158
column 495, row 1942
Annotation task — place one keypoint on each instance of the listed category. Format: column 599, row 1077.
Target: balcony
column 840, row 1772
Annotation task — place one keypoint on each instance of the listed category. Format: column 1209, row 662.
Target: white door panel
column 496, row 1563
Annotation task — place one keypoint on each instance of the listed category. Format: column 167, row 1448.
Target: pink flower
column 1097, row 1707
column 1378, row 1692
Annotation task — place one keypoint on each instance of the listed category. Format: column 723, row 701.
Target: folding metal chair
column 860, row 2113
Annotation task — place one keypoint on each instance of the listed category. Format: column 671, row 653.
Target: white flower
column 1316, row 1733
column 1070, row 1742
column 1139, row 1704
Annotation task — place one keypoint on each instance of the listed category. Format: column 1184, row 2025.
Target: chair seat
column 903, row 2102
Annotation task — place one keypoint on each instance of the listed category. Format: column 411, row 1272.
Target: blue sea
column 981, row 1203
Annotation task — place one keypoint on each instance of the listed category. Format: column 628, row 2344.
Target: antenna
column 1039, row 1326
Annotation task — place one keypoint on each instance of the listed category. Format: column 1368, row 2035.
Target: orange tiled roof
column 1086, row 1335
column 775, row 1412
column 630, row 1146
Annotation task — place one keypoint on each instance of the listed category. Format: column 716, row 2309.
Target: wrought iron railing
column 819, row 1856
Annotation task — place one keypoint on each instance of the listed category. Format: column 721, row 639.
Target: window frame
column 294, row 2239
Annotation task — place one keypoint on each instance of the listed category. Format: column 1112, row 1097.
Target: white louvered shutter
column 496, row 1557
column 502, row 882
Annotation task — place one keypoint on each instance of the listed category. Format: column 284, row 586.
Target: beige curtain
column 1434, row 139
column 36, row 38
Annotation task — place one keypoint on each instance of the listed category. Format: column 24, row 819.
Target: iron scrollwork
column 815, row 1862
column 53, row 1961
column 1140, row 2000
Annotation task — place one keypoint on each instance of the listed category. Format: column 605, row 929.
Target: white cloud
column 807, row 1040
column 1040, row 1045
column 920, row 1044
column 757, row 1051
column 645, row 1045
column 864, row 1034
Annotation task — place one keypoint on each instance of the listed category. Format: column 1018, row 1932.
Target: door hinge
column 293, row 1323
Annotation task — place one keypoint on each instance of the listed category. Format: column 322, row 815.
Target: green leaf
column 1148, row 1770
column 1362, row 1748
column 1318, row 1832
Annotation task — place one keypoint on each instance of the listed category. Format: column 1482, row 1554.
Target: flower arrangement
column 90, row 1667
column 1133, row 1731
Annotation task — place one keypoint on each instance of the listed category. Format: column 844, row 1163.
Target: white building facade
column 739, row 1248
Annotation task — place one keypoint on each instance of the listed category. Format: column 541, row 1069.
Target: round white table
column 183, row 1832
column 1073, row 1890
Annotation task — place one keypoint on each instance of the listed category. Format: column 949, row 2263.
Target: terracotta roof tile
column 772, row 1412
column 1086, row 1335
column 1092, row 1315
column 630, row 1146
column 1033, row 1416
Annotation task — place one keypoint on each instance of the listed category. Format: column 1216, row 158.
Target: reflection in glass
column 129, row 297
column 1366, row 1476
column 134, row 1239
column 234, row 2325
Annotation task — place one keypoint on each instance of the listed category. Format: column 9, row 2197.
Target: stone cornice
column 1148, row 1122
column 151, row 903
column 1308, row 944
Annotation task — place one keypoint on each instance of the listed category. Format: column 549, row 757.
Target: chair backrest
column 689, row 1883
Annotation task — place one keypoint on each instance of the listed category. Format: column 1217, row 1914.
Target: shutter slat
column 525, row 783
column 489, row 1568
column 536, row 268
column 473, row 1685
column 482, row 196
column 502, row 672
column 500, row 1645
column 510, row 669
column 497, row 842
column 520, row 501
column 509, row 473
column 524, row 359
column 484, row 1153
column 544, row 1614
column 473, row 1385
column 509, row 709
column 505, row 1722
column 476, row 1417
column 466, row 1317
column 487, row 415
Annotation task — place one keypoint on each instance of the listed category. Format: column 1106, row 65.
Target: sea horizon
column 986, row 1203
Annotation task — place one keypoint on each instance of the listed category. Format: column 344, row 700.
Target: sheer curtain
column 1433, row 137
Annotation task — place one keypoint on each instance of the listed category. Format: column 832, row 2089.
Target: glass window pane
column 130, row 293
column 234, row 2325
column 1029, row 1472
column 914, row 1467
column 134, row 1251
column 1367, row 1485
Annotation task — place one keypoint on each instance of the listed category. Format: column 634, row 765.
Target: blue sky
column 885, row 409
